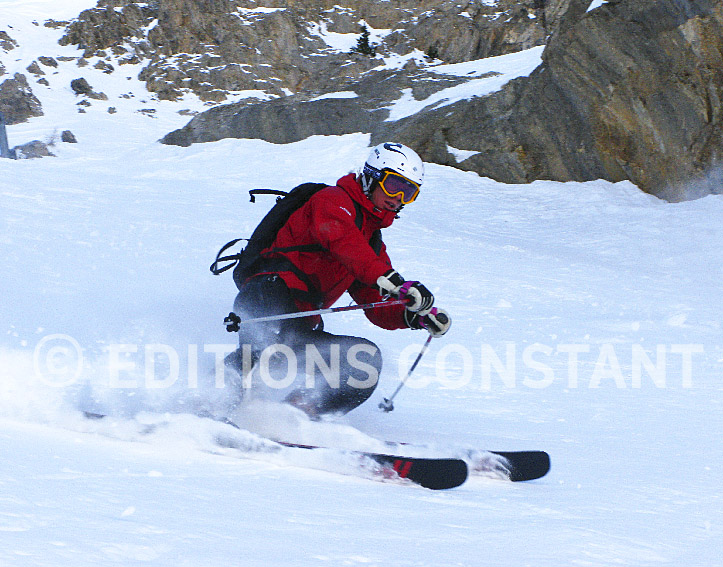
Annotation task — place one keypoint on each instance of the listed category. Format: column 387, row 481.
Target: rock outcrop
column 280, row 121
column 81, row 87
column 6, row 42
column 32, row 150
column 17, row 102
column 212, row 47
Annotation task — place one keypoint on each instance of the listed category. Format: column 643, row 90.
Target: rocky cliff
column 629, row 90
column 278, row 48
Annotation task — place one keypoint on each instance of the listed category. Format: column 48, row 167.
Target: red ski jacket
column 346, row 260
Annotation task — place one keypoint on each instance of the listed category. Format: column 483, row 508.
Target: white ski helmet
column 395, row 157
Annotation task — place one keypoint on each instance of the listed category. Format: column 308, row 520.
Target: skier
column 330, row 245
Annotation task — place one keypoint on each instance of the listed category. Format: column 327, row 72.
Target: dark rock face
column 631, row 91
column 280, row 121
column 17, row 102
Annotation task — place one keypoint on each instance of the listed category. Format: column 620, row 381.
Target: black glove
column 390, row 283
column 419, row 298
column 437, row 321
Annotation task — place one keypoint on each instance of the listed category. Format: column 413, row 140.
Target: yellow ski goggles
column 394, row 184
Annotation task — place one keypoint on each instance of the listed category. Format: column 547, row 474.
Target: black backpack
column 249, row 260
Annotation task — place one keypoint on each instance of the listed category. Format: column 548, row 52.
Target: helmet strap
column 367, row 183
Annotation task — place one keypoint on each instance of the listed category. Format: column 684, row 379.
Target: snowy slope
column 587, row 322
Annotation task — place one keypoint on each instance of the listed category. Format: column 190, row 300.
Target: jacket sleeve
column 390, row 318
column 333, row 226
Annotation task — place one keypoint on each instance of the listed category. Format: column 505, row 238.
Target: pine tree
column 433, row 52
column 362, row 44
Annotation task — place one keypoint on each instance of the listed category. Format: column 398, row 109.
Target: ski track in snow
column 109, row 244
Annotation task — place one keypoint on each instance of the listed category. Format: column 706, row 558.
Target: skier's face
column 383, row 201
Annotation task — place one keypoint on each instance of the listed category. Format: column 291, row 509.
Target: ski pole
column 387, row 404
column 233, row 321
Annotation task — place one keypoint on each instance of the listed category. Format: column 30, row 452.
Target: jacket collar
column 355, row 191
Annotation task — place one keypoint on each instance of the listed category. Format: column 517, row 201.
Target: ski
column 435, row 473
column 442, row 473
column 430, row 472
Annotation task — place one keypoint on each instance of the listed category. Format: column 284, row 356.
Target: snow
column 461, row 155
column 493, row 72
column 587, row 322
column 340, row 94
column 260, row 10
column 595, row 4
column 345, row 42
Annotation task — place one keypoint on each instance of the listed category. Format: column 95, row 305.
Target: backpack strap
column 232, row 258
column 376, row 240
column 359, row 219
column 254, row 192
column 281, row 264
column 300, row 248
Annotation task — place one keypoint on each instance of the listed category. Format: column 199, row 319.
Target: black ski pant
column 318, row 372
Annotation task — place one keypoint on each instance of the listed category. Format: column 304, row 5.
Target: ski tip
column 526, row 465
